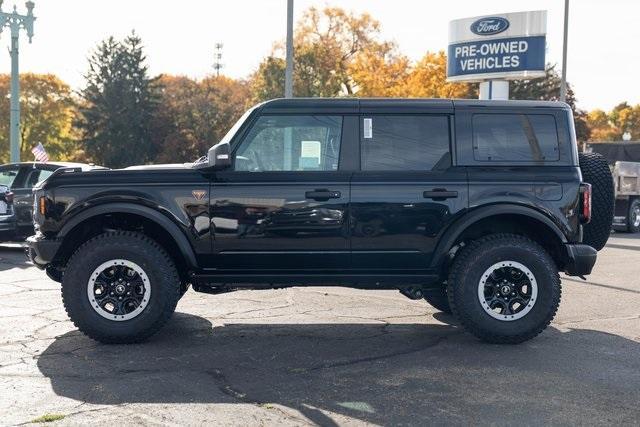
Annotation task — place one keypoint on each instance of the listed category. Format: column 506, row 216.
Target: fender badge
column 199, row 194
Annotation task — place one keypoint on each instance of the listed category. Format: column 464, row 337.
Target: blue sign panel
column 496, row 56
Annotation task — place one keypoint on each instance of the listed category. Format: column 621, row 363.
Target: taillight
column 8, row 197
column 42, row 205
column 585, row 198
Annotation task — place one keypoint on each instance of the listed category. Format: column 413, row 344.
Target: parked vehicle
column 474, row 206
column 7, row 216
column 20, row 178
column 624, row 160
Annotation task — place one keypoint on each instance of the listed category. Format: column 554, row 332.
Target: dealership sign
column 503, row 46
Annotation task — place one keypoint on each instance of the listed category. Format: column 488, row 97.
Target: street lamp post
column 288, row 72
column 15, row 22
column 565, row 41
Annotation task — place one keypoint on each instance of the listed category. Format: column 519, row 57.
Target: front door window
column 291, row 143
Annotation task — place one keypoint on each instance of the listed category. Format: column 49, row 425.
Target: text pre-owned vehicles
column 473, row 205
column 21, row 178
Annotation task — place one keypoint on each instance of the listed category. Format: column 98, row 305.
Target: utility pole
column 288, row 73
column 217, row 65
column 16, row 22
column 563, row 84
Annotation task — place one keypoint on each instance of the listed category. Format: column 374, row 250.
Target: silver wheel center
column 636, row 222
column 118, row 290
column 507, row 291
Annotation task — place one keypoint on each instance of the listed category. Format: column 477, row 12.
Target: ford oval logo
column 489, row 26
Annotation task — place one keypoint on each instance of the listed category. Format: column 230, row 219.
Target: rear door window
column 405, row 143
column 515, row 138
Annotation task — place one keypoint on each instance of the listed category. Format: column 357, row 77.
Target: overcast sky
column 604, row 57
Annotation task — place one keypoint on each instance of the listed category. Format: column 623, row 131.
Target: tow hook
column 412, row 292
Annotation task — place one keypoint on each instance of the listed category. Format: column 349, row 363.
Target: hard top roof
column 363, row 103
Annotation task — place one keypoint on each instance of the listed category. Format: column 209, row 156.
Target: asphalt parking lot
column 325, row 356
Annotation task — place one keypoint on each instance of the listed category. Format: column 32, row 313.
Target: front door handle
column 322, row 195
column 439, row 194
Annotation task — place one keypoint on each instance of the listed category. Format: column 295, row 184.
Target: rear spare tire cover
column 596, row 172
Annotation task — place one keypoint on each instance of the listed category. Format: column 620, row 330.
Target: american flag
column 40, row 153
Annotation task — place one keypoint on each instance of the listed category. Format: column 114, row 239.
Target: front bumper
column 41, row 251
column 581, row 259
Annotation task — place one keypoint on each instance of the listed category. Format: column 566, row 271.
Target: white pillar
column 494, row 89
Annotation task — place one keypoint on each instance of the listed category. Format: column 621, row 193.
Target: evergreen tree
column 119, row 102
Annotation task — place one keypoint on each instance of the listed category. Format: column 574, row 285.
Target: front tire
column 120, row 287
column 504, row 288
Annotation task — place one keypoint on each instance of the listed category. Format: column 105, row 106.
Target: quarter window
column 515, row 137
column 291, row 143
column 414, row 143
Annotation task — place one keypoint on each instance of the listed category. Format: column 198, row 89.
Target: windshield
column 7, row 176
column 236, row 126
column 227, row 138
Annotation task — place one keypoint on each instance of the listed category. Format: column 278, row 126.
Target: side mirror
column 219, row 156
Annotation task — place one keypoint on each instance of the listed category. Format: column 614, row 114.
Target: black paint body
column 381, row 228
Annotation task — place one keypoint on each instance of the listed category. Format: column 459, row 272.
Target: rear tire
column 596, row 172
column 438, row 299
column 500, row 271
column 633, row 217
column 120, row 287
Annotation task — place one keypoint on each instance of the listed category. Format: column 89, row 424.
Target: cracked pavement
column 324, row 356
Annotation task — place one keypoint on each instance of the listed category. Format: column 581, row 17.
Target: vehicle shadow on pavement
column 375, row 372
column 13, row 256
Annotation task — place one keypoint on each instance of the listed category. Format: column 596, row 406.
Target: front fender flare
column 131, row 208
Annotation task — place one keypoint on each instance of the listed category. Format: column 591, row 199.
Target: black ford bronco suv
column 475, row 206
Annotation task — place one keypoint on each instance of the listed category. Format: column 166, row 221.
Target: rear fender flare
column 456, row 229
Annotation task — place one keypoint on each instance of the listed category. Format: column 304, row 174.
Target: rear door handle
column 439, row 194
column 322, row 195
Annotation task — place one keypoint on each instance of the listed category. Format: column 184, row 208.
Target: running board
column 373, row 281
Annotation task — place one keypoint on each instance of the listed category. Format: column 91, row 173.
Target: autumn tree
column 613, row 125
column 380, row 72
column 326, row 43
column 195, row 115
column 47, row 112
column 118, row 104
column 428, row 79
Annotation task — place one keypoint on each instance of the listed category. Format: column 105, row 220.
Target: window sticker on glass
column 368, row 128
column 310, row 154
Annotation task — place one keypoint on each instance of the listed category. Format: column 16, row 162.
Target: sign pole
column 563, row 84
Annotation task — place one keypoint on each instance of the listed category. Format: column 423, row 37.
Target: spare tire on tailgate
column 596, row 172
